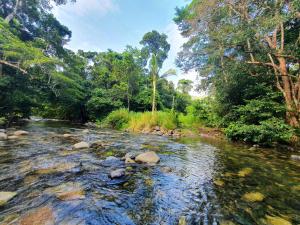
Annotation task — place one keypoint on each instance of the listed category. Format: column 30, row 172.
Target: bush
column 267, row 132
column 200, row 113
column 117, row 119
column 2, row 121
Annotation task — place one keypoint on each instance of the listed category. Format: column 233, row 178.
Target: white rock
column 81, row 145
column 3, row 136
column 117, row 173
column 20, row 132
column 295, row 157
column 67, row 135
column 147, row 157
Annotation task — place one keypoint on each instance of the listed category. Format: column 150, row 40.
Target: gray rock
column 117, row 173
column 112, row 158
column 81, row 145
column 130, row 155
column 295, row 157
column 3, row 136
column 147, row 157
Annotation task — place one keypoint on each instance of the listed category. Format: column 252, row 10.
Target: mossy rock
column 5, row 196
column 274, row 220
column 219, row 183
column 253, row 197
column 245, row 172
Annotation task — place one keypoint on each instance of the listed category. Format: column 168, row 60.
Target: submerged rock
column 5, row 196
column 20, row 133
column 40, row 216
column 147, row 157
column 219, row 183
column 166, row 169
column 245, row 172
column 182, row 220
column 117, row 173
column 60, row 167
column 3, row 136
column 274, row 220
column 253, row 197
column 81, row 145
column 295, row 157
column 68, row 191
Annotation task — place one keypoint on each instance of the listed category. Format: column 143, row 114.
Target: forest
column 246, row 54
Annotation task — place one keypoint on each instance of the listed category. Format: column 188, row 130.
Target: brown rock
column 40, row 216
column 68, row 191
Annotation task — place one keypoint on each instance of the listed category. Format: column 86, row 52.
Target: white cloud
column 85, row 7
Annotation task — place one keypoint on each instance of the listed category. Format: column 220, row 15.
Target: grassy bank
column 268, row 133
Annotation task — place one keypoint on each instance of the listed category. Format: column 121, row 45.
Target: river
column 197, row 181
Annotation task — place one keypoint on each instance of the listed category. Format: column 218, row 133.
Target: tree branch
column 13, row 66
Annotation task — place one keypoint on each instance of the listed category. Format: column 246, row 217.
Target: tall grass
column 137, row 121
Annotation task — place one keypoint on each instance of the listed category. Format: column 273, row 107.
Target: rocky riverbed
column 58, row 173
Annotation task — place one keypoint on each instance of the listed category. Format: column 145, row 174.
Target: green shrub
column 267, row 132
column 117, row 119
column 2, row 121
column 200, row 113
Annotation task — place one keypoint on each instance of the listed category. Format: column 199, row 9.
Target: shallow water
column 206, row 184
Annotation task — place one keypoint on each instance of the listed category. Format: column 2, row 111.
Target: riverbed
column 197, row 181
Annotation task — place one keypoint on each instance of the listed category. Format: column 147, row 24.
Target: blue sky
column 99, row 25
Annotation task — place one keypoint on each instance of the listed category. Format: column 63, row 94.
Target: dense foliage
column 247, row 54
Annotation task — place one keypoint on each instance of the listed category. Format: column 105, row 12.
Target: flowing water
column 195, row 182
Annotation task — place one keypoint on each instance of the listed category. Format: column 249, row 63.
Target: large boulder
column 3, row 136
column 81, row 145
column 117, row 173
column 147, row 157
column 6, row 196
column 20, row 133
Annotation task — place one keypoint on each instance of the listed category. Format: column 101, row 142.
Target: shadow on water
column 197, row 181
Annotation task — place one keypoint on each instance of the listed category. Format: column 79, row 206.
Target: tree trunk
column 292, row 114
column 154, row 93
column 14, row 12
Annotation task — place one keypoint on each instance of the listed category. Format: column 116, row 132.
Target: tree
column 185, row 86
column 264, row 36
column 156, row 49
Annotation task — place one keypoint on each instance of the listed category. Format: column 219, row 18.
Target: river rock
column 97, row 144
column 40, row 216
column 182, row 220
column 245, row 172
column 253, row 197
column 68, row 135
column 129, row 161
column 166, row 169
column 274, row 220
column 67, row 191
column 56, row 168
column 6, row 196
column 20, row 133
column 117, row 173
column 130, row 155
column 3, row 136
column 112, row 158
column 12, row 137
column 81, row 145
column 295, row 157
column 147, row 157
column 85, row 131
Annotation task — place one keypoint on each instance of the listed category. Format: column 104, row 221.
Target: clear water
column 206, row 183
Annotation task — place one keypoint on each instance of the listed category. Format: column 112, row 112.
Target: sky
column 98, row 25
